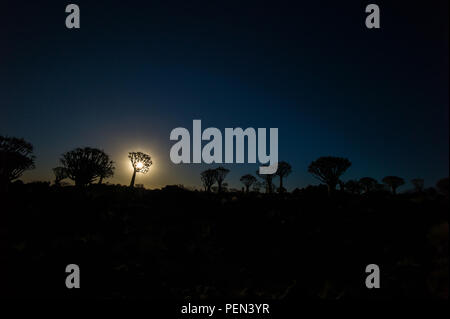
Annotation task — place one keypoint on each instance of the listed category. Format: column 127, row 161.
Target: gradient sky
column 136, row 70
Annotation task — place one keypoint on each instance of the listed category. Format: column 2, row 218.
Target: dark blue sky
column 135, row 71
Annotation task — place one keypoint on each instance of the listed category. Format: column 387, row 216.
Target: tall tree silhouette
column 141, row 163
column 208, row 178
column 418, row 184
column 221, row 173
column 368, row 183
column 84, row 165
column 16, row 156
column 284, row 169
column 60, row 174
column 328, row 169
column 393, row 182
column 268, row 181
column 248, row 180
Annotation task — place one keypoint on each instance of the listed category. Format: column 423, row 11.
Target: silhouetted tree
column 16, row 156
column 418, row 184
column 141, row 163
column 84, row 165
column 284, row 169
column 353, row 186
column 107, row 171
column 268, row 181
column 248, row 180
column 328, row 169
column 393, row 182
column 221, row 173
column 60, row 174
column 443, row 186
column 368, row 183
column 208, row 178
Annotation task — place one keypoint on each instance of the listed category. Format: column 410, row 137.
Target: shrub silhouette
column 208, row 178
column 221, row 173
column 393, row 182
column 16, row 156
column 328, row 169
column 284, row 169
column 84, row 165
column 442, row 186
column 248, row 180
column 353, row 186
column 141, row 163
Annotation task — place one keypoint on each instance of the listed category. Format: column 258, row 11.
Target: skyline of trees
column 86, row 165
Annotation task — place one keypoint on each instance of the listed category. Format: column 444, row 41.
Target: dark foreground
column 192, row 245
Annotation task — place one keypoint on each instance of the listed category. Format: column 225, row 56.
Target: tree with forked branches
column 328, row 169
column 140, row 162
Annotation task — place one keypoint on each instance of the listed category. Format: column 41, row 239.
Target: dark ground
column 186, row 245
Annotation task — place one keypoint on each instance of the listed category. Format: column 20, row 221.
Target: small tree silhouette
column 248, row 180
column 221, row 173
column 328, row 170
column 84, row 165
column 60, row 174
column 284, row 169
column 393, row 182
column 208, row 178
column 268, row 181
column 141, row 163
column 418, row 184
column 16, row 156
column 368, row 183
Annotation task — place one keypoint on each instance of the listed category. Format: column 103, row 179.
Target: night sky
column 136, row 70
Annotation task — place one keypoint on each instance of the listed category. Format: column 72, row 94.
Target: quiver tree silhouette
column 268, row 181
column 84, row 165
column 208, row 178
column 418, row 184
column 16, row 156
column 221, row 173
column 141, row 163
column 284, row 169
column 248, row 180
column 60, row 174
column 368, row 184
column 328, row 169
column 393, row 182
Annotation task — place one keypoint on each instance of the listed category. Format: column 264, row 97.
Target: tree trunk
column 133, row 178
column 220, row 187
column 247, row 188
column 281, row 184
column 100, row 180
